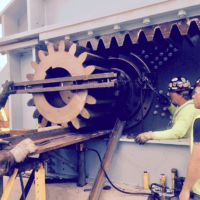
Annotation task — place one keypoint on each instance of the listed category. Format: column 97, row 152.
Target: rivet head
column 163, row 114
column 155, row 112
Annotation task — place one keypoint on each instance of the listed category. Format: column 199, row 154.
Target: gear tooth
column 34, row 65
column 31, row 102
column 90, row 100
column 76, row 123
column 82, row 57
column 30, row 77
column 50, row 48
column 62, row 45
column 42, row 54
column 84, row 113
column 72, row 49
column 88, row 58
column 44, row 122
column 36, row 114
column 89, row 69
column 65, row 125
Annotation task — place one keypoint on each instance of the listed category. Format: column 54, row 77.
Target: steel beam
column 107, row 160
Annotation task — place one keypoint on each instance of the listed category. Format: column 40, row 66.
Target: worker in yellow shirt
column 183, row 115
column 192, row 180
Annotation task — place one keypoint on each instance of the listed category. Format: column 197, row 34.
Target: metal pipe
column 107, row 160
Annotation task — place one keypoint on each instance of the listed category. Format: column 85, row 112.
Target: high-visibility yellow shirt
column 182, row 122
column 196, row 186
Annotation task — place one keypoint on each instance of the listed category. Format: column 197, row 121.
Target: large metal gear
column 64, row 106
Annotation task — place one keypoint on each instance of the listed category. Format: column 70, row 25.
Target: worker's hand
column 6, row 92
column 144, row 137
column 184, row 195
column 23, row 149
column 164, row 100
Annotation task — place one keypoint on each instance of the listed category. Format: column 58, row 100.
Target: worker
column 192, row 180
column 183, row 115
column 8, row 159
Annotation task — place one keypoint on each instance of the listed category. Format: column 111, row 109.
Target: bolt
column 155, row 112
column 146, row 56
column 161, row 54
column 152, row 62
column 165, row 108
column 163, row 114
column 165, row 58
column 156, row 106
column 170, row 117
column 170, row 54
column 160, row 91
column 156, row 58
column 160, row 63
column 143, row 51
column 175, row 49
column 155, row 67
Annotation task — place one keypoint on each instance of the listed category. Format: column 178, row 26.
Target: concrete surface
column 69, row 191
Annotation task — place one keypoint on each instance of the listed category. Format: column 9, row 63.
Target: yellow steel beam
column 9, row 185
column 40, row 192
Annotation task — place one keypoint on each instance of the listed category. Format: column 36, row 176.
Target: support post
column 9, row 185
column 107, row 160
column 40, row 192
column 81, row 166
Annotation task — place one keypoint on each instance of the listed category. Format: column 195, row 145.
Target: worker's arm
column 183, row 123
column 8, row 159
column 181, row 126
column 6, row 92
column 7, row 162
column 193, row 169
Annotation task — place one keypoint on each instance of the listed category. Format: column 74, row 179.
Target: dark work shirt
column 196, row 130
column 7, row 163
